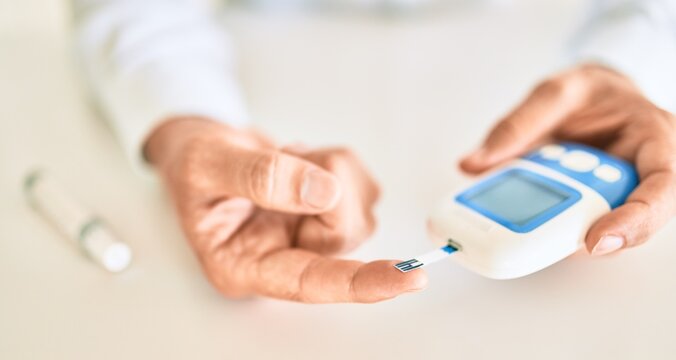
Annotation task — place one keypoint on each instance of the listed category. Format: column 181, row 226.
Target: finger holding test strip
column 78, row 224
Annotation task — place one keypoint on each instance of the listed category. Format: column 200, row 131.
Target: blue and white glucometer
column 533, row 211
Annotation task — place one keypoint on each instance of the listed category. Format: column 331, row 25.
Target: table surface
column 410, row 95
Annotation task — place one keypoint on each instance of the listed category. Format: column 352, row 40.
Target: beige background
column 410, row 95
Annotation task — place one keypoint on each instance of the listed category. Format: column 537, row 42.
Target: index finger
column 304, row 276
column 258, row 259
column 546, row 106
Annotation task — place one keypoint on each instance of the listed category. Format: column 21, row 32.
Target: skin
column 265, row 220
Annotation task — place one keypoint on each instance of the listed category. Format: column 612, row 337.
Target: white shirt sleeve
column 147, row 60
column 638, row 39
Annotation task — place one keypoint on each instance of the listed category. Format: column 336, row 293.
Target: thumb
column 647, row 209
column 277, row 181
column 548, row 104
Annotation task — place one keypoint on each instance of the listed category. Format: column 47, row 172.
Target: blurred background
column 411, row 86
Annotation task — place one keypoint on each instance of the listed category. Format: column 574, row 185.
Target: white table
column 411, row 96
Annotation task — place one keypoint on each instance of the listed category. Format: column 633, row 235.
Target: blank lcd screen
column 517, row 199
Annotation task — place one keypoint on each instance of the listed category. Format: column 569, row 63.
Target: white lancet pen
column 78, row 224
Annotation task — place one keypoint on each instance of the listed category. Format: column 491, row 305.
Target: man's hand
column 263, row 220
column 597, row 106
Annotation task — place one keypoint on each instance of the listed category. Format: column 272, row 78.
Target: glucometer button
column 608, row 173
column 552, row 152
column 579, row 161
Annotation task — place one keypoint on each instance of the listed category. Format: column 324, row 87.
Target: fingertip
column 623, row 227
column 595, row 235
column 416, row 280
column 380, row 280
column 468, row 166
column 412, row 281
column 474, row 162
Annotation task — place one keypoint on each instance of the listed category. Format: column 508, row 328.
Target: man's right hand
column 264, row 220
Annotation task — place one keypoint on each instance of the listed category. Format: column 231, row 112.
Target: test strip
column 426, row 259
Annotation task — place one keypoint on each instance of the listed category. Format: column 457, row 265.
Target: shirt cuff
column 641, row 47
column 140, row 101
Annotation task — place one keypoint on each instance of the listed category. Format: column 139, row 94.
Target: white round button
column 552, row 152
column 579, row 161
column 608, row 173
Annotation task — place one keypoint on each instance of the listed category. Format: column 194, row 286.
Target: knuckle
column 554, row 86
column 567, row 86
column 260, row 177
column 667, row 122
column 646, row 221
column 224, row 281
column 196, row 159
column 645, row 113
column 335, row 242
column 669, row 119
column 298, row 293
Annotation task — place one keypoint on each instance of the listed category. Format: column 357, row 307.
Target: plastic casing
column 495, row 251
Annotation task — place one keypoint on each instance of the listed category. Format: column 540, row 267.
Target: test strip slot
column 452, row 243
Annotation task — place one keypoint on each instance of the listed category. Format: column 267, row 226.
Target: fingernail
column 608, row 244
column 319, row 190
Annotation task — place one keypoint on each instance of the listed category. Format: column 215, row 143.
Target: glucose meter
column 531, row 212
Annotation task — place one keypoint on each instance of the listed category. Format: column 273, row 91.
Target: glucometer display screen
column 517, row 198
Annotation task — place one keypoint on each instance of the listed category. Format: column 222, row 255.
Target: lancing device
column 529, row 213
column 77, row 223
